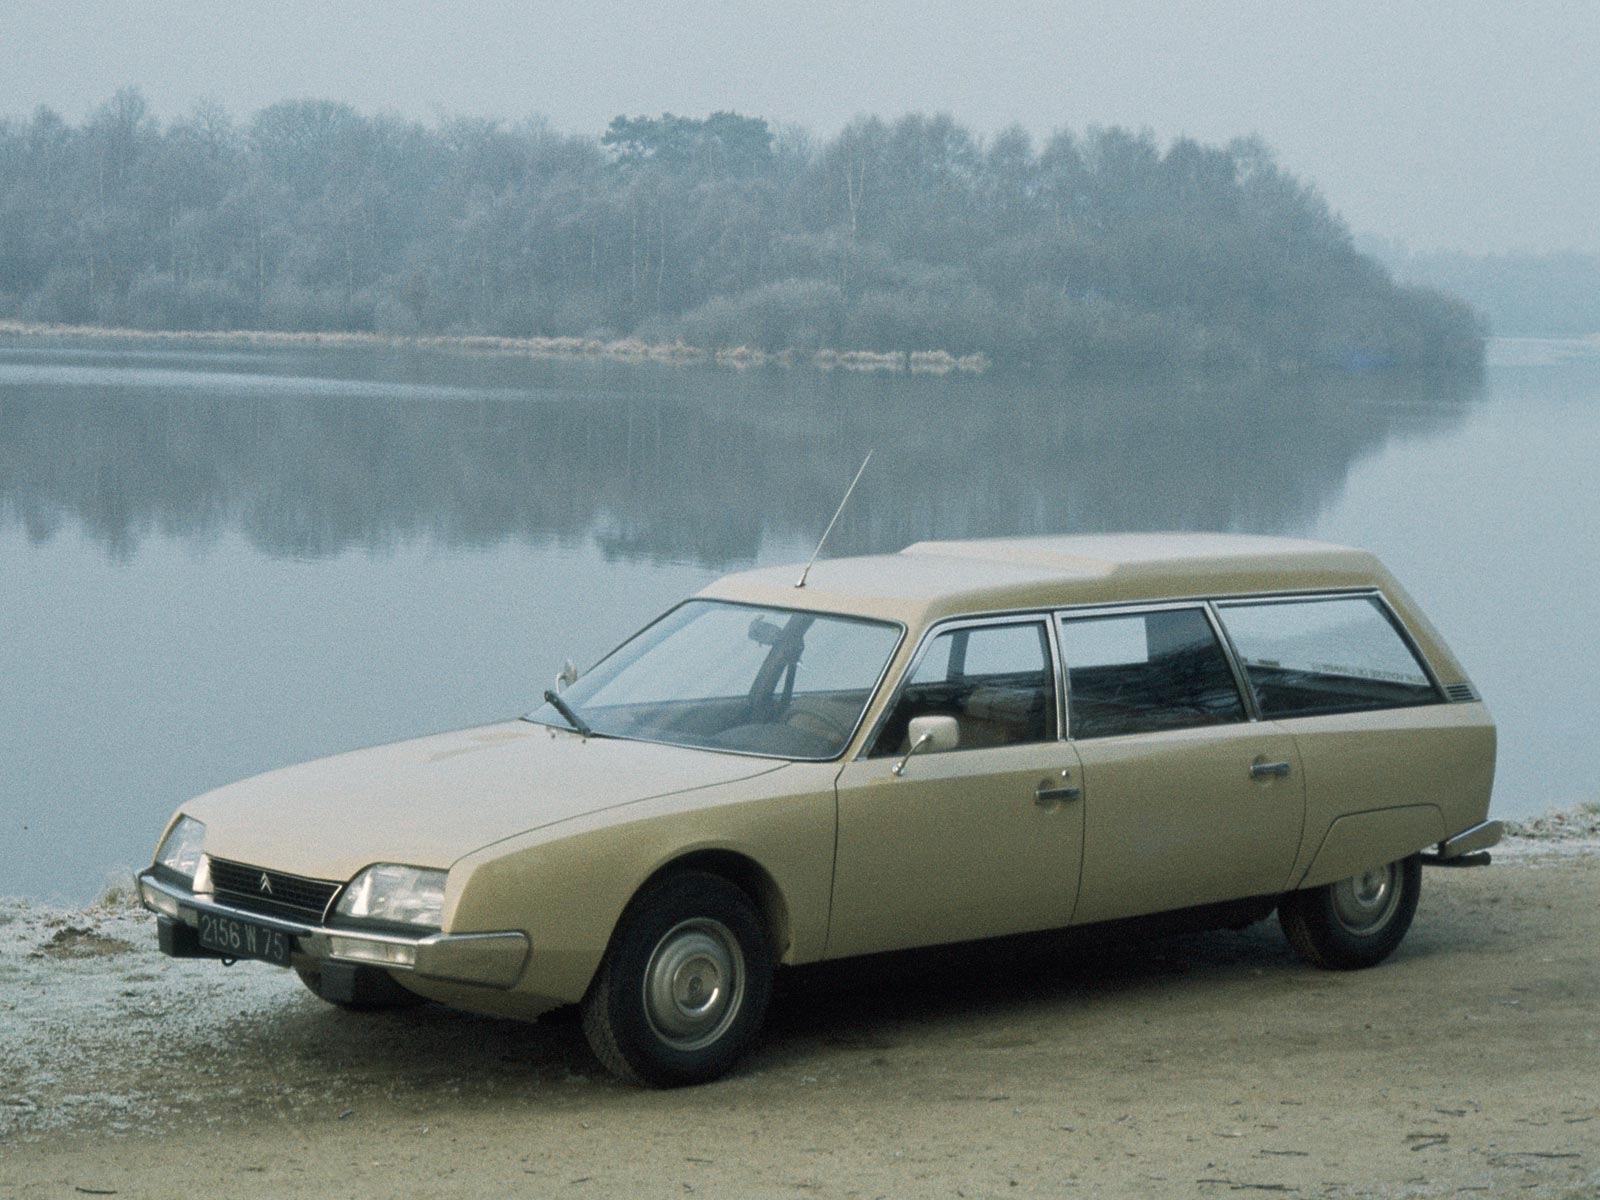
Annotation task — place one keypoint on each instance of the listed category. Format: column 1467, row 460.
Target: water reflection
column 310, row 455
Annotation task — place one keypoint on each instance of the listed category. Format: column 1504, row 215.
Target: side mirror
column 929, row 733
column 568, row 676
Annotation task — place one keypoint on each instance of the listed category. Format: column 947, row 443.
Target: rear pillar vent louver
column 1460, row 691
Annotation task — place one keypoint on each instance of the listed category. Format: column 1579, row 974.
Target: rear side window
column 1140, row 672
column 1307, row 657
column 995, row 680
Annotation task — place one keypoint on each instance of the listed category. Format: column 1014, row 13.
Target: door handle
column 1046, row 795
column 1261, row 770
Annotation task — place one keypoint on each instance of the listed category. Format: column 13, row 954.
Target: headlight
column 179, row 851
column 391, row 894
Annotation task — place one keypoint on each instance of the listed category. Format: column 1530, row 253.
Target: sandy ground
column 1199, row 1065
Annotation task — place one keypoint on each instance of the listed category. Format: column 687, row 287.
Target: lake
column 218, row 561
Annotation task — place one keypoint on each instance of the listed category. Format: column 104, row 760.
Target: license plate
column 243, row 939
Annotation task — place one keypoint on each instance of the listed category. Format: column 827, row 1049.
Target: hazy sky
column 1470, row 125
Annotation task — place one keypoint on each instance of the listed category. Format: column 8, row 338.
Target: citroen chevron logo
column 265, row 885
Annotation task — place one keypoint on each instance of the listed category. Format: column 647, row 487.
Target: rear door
column 1187, row 800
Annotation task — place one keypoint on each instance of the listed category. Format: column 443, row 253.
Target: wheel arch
column 743, row 872
column 1360, row 841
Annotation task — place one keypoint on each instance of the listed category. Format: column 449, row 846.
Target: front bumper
column 491, row 960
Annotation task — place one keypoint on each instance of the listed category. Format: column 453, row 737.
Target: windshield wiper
column 567, row 711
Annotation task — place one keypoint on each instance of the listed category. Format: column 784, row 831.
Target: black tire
column 684, row 986
column 1355, row 922
column 377, row 996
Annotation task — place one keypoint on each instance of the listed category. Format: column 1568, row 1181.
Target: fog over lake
column 215, row 562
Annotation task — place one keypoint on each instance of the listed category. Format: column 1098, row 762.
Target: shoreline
column 1557, row 831
column 571, row 349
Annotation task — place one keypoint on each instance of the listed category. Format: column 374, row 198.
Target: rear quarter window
column 1310, row 657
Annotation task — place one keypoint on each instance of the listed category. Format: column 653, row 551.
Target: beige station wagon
column 962, row 740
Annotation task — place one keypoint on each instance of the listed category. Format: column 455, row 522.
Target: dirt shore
column 1198, row 1065
column 564, row 349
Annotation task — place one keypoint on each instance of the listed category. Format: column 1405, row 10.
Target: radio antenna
column 801, row 582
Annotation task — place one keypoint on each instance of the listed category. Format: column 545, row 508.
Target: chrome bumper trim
column 1479, row 837
column 487, row 959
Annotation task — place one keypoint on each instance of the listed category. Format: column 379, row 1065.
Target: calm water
column 214, row 563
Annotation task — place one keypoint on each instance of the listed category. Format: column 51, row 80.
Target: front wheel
column 684, row 986
column 1355, row 922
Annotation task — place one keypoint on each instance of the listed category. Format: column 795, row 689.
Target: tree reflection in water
column 309, row 455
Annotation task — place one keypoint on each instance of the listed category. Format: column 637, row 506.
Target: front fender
column 566, row 886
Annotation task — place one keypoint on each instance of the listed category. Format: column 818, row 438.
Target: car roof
column 930, row 580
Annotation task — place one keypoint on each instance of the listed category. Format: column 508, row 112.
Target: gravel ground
column 1199, row 1065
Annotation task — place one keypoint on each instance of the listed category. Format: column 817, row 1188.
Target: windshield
column 735, row 677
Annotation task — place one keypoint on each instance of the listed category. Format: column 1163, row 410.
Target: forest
column 1096, row 250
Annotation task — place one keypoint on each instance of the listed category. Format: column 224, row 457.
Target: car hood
column 431, row 800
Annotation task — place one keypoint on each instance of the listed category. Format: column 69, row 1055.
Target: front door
column 981, row 840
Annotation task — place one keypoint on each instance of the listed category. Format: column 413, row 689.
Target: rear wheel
column 1355, row 922
column 684, row 986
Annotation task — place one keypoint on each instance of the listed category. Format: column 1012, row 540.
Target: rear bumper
column 1479, row 837
column 491, row 960
column 1469, row 848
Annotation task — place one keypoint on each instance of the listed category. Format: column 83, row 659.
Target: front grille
column 1460, row 691
column 293, row 897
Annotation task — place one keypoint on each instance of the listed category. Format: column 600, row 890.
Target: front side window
column 1140, row 672
column 1308, row 657
column 736, row 677
column 995, row 680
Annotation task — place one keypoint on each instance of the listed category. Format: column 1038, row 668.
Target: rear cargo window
column 1309, row 657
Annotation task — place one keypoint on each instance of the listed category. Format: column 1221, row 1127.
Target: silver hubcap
column 694, row 984
column 1364, row 903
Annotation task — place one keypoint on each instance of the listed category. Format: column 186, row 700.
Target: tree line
column 1102, row 249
